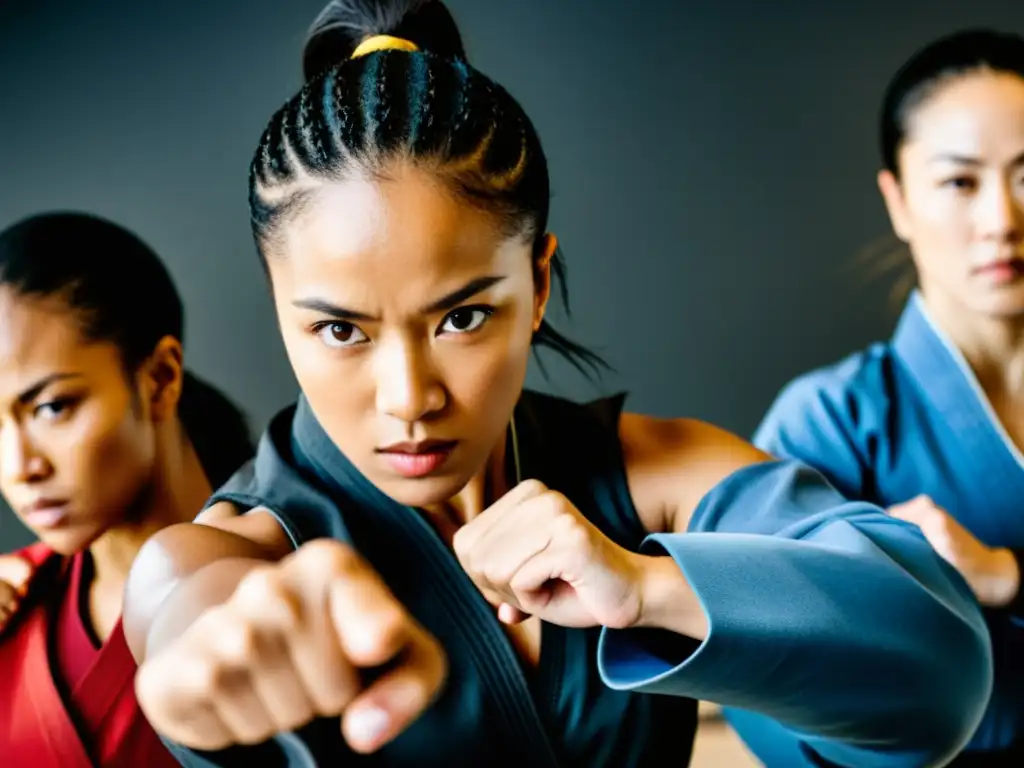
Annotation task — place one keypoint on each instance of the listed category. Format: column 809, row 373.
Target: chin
column 66, row 542
column 423, row 491
column 1006, row 302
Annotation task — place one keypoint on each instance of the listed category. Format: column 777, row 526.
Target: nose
column 20, row 460
column 408, row 388
column 1001, row 213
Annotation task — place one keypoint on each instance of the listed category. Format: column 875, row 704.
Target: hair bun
column 343, row 24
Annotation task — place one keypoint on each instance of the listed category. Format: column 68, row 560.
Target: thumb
column 397, row 697
column 510, row 615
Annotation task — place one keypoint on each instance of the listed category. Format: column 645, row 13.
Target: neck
column 176, row 493
column 993, row 346
column 487, row 486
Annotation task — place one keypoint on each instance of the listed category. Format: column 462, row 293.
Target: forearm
column 824, row 615
column 178, row 574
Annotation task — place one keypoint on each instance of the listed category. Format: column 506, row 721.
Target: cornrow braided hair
column 358, row 116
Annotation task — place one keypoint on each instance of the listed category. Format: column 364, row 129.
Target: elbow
column 936, row 674
column 958, row 665
column 933, row 709
column 947, row 685
column 962, row 678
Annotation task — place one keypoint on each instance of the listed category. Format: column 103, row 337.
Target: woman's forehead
column 405, row 233
column 974, row 116
column 29, row 324
column 40, row 337
column 399, row 286
column 407, row 212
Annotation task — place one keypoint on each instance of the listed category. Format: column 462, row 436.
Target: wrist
column 666, row 599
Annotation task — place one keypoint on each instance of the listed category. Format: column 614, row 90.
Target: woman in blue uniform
column 472, row 574
column 930, row 425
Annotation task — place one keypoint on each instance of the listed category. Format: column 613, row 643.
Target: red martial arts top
column 67, row 701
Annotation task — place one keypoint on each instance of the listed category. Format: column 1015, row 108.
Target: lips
column 415, row 460
column 423, row 446
column 45, row 513
column 1003, row 270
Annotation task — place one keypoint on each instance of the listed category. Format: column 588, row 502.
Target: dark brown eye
column 341, row 334
column 53, row 410
column 465, row 319
column 961, row 183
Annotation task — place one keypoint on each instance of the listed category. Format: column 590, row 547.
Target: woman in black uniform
column 517, row 572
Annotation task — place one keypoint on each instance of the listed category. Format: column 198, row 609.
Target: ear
column 895, row 204
column 161, row 378
column 542, row 277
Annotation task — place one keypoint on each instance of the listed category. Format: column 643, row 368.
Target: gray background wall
column 713, row 167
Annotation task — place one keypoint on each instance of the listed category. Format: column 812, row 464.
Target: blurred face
column 960, row 201
column 407, row 315
column 74, row 454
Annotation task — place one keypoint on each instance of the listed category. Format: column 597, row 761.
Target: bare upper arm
column 257, row 525
column 223, row 531
column 671, row 464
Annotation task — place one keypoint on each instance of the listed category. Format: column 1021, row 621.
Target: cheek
column 484, row 377
column 338, row 387
column 108, row 457
column 933, row 208
column 941, row 228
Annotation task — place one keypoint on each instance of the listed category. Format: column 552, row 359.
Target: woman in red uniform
column 104, row 439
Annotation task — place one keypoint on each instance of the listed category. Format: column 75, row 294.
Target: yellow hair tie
column 383, row 43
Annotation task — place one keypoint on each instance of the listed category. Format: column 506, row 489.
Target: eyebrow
column 952, row 157
column 30, row 394
column 449, row 301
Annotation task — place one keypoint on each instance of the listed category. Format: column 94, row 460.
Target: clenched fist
column 991, row 572
column 288, row 647
column 533, row 553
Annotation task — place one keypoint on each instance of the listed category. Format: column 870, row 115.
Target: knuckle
column 461, row 543
column 264, row 594
column 554, row 502
column 568, row 525
column 256, row 587
column 496, row 575
column 390, row 628
column 328, row 556
column 204, row 677
column 532, row 487
column 178, row 679
column 237, row 642
column 151, row 686
column 578, row 537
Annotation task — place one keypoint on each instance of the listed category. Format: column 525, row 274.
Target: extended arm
column 833, row 619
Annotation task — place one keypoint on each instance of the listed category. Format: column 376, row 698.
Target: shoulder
column 258, row 524
column 672, row 463
column 836, row 418
column 849, row 400
column 861, row 383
